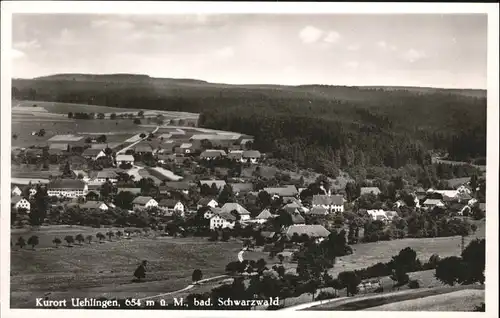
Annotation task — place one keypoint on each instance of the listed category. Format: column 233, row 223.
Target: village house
column 206, row 202
column 184, row 149
column 312, row 230
column 94, row 205
column 368, row 190
column 289, row 191
column 211, row 212
column 212, row 154
column 124, row 159
column 241, row 188
column 242, row 212
column 93, row 154
column 144, row 203
column 106, row 175
column 332, row 203
column 143, row 149
column 18, row 202
column 235, row 155
column 297, row 219
column 264, row 216
column 163, row 158
column 170, row 206
column 319, row 211
column 252, row 156
column 174, row 186
column 16, row 191
column 222, row 220
column 68, row 188
column 432, row 203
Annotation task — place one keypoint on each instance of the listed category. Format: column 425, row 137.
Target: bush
column 414, row 284
column 325, row 295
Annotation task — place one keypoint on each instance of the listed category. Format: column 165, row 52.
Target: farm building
column 242, row 212
column 212, row 154
column 170, row 206
column 143, row 203
column 67, row 188
column 287, row 191
column 93, row 153
column 370, row 190
column 311, row 230
column 123, row 159
column 207, row 202
column 252, row 156
column 332, row 203
column 94, row 205
column 18, row 202
column 222, row 220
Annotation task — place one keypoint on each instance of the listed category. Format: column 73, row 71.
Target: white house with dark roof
column 252, row 156
column 212, row 154
column 121, row 159
column 144, row 203
column 93, row 153
column 312, row 230
column 94, row 205
column 432, row 203
column 69, row 188
column 222, row 220
column 170, row 206
column 16, row 191
column 207, row 202
column 370, row 190
column 242, row 212
column 332, row 203
column 106, row 175
column 18, row 202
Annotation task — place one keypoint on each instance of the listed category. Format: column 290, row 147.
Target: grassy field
column 64, row 108
column 106, row 268
column 463, row 300
column 373, row 301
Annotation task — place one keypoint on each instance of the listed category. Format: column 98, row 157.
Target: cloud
column 332, row 37
column 382, row 44
column 112, row 24
column 413, row 55
column 310, row 34
column 353, row 47
column 16, row 54
column 393, row 48
column 225, row 52
column 352, row 64
column 23, row 45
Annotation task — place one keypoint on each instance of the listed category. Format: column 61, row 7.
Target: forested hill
column 311, row 125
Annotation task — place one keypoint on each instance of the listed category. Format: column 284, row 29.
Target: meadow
column 64, row 108
column 106, row 268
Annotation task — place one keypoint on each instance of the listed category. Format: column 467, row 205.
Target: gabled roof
column 367, row 190
column 433, row 202
column 107, row 174
column 121, row 157
column 264, row 215
column 205, row 201
column 228, row 207
column 143, row 148
column 58, row 146
column 142, row 200
column 235, row 154
column 92, row 152
column 288, row 191
column 92, row 205
column 226, row 216
column 169, row 203
column 241, row 187
column 66, row 184
column 312, row 230
column 212, row 153
column 174, row 185
column 318, row 210
column 327, row 200
column 251, row 154
column 15, row 199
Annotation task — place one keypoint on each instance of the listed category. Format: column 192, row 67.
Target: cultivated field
column 106, row 268
column 463, row 300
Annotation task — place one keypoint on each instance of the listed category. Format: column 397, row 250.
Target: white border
column 7, row 8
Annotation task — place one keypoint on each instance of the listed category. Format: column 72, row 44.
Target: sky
column 431, row 50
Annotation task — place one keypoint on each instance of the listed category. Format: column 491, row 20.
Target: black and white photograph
column 237, row 159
